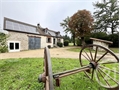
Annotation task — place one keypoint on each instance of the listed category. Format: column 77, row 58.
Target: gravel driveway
column 54, row 52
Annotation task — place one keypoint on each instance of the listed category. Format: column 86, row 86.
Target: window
column 59, row 40
column 48, row 40
column 13, row 46
column 16, row 45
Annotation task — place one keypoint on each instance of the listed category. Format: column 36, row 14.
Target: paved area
column 54, row 52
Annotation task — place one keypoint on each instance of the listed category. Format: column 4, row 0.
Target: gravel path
column 54, row 52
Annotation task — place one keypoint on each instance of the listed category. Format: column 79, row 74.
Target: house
column 23, row 36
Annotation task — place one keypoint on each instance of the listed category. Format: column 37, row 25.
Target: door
column 34, row 42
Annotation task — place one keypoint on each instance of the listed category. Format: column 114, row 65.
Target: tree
column 82, row 24
column 106, row 15
column 3, row 46
column 67, row 29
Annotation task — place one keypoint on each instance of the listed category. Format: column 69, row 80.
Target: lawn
column 22, row 74
column 77, row 49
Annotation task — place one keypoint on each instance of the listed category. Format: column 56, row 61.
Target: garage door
column 34, row 42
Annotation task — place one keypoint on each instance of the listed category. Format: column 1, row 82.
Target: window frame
column 15, row 48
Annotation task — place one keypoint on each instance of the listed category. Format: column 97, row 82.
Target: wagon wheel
column 48, row 70
column 104, row 65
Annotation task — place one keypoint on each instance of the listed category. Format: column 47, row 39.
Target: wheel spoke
column 102, row 56
column 104, row 78
column 87, row 75
column 107, row 62
column 92, row 74
column 109, row 76
column 96, row 53
column 88, row 56
column 91, row 54
column 109, row 69
column 97, row 75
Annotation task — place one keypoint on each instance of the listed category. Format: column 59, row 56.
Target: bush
column 59, row 44
column 49, row 46
column 66, row 43
column 100, row 35
column 3, row 46
column 78, row 42
column 115, row 39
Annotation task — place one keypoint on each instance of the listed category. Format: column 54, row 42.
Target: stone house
column 23, row 36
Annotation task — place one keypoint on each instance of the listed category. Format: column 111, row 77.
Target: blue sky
column 49, row 13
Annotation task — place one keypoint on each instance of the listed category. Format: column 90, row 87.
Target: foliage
column 22, row 74
column 59, row 44
column 67, row 38
column 106, row 15
column 49, row 46
column 67, row 29
column 78, row 42
column 66, row 43
column 115, row 39
column 82, row 23
column 3, row 46
column 100, row 35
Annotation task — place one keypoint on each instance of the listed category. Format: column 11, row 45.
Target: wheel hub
column 93, row 64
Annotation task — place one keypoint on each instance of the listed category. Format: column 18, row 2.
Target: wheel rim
column 105, row 62
column 48, row 70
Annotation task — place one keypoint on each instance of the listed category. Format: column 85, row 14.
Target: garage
column 34, row 42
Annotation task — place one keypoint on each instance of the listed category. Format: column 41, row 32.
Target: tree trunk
column 83, row 41
column 112, row 29
column 74, row 39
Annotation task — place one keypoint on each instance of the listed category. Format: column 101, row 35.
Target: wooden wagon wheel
column 47, row 76
column 104, row 65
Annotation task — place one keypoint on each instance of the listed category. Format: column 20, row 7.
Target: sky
column 48, row 13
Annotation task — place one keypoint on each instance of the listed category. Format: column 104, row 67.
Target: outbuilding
column 101, row 42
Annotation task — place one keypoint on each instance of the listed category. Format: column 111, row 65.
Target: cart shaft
column 69, row 72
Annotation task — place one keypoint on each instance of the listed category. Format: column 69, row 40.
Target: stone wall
column 21, row 37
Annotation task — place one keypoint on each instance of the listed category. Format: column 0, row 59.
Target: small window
column 16, row 45
column 11, row 46
column 48, row 40
column 59, row 40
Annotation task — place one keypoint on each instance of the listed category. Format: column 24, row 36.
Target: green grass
column 22, row 74
column 116, row 50
column 77, row 49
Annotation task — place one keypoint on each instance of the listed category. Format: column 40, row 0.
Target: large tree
column 106, row 15
column 82, row 24
column 67, row 29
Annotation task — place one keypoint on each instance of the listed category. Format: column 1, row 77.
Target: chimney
column 38, row 25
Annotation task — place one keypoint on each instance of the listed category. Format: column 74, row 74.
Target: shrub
column 3, row 46
column 49, row 46
column 59, row 44
column 66, row 43
column 115, row 39
column 100, row 35
column 78, row 42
